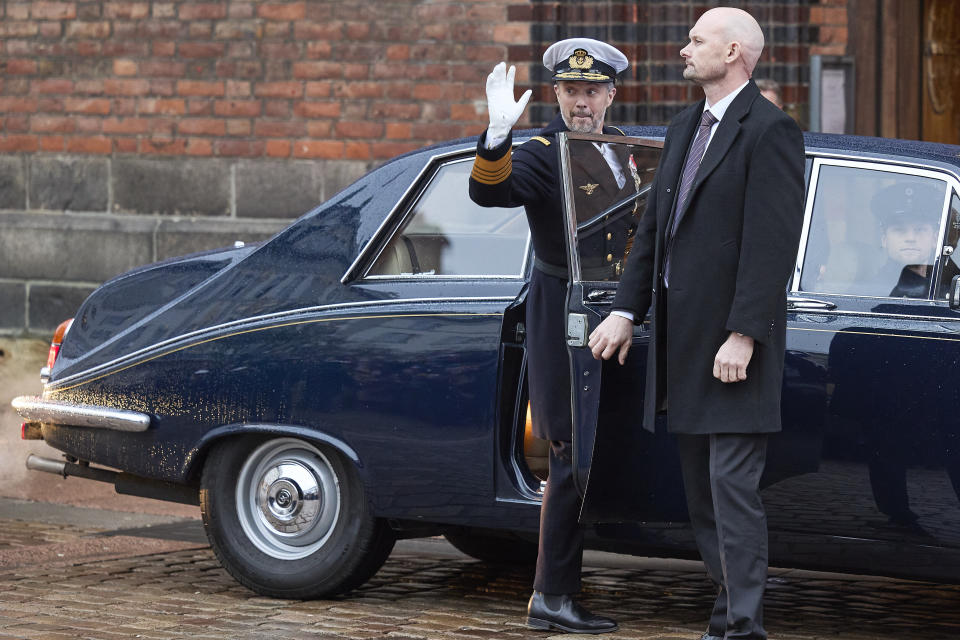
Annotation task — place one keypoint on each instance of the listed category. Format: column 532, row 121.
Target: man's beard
column 702, row 74
column 577, row 126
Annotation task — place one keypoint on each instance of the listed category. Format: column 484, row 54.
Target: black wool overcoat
column 731, row 257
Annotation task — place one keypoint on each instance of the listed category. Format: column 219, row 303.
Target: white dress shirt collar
column 720, row 107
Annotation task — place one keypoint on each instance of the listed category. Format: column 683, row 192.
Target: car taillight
column 31, row 431
column 54, row 351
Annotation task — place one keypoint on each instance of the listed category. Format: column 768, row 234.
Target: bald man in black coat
column 712, row 257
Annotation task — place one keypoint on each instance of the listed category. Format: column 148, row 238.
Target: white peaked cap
column 584, row 59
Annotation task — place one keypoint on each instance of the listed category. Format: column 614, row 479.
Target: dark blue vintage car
column 361, row 377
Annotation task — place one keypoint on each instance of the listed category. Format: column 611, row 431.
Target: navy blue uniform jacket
column 530, row 176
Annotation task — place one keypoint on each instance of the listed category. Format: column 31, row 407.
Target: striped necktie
column 690, row 168
column 692, row 164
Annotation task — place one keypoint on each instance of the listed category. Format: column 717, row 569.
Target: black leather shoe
column 563, row 613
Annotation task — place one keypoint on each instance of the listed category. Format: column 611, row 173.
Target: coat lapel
column 726, row 133
column 597, row 171
column 685, row 123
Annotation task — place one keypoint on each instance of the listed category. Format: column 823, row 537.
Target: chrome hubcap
column 288, row 498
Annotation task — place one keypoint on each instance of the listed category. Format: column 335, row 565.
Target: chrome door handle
column 601, row 295
column 808, row 304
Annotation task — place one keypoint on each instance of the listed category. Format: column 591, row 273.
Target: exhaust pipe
column 36, row 463
column 123, row 483
column 64, row 468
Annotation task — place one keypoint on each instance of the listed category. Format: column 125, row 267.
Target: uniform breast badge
column 589, row 188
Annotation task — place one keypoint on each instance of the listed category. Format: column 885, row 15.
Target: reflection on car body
column 361, row 376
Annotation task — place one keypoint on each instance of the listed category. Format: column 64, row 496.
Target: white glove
column 504, row 111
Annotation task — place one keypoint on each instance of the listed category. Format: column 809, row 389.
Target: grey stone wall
column 68, row 223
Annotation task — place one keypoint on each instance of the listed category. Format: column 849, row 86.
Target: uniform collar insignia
column 589, row 188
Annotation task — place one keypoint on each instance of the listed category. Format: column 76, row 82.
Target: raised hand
column 504, row 110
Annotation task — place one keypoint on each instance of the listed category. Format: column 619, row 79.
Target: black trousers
column 721, row 477
column 561, row 539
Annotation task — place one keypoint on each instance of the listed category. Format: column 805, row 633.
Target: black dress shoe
column 563, row 613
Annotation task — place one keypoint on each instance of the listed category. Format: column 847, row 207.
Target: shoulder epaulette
column 545, row 142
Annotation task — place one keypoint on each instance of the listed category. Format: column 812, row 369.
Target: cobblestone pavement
column 160, row 580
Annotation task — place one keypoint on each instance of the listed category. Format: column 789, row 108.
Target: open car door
column 623, row 472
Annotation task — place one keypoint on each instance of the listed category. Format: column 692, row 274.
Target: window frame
column 404, row 211
column 570, row 224
column 873, row 164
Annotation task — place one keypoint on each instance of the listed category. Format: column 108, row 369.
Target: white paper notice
column 833, row 103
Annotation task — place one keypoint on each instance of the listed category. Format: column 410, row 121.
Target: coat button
column 609, row 236
column 668, row 189
column 609, row 257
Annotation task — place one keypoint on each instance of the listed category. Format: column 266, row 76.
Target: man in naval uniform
column 584, row 74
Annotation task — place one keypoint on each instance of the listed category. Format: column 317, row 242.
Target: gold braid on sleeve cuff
column 492, row 171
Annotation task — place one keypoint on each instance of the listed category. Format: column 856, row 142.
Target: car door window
column 607, row 180
column 873, row 232
column 951, row 264
column 446, row 234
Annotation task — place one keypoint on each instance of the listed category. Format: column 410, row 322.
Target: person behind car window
column 909, row 216
column 584, row 73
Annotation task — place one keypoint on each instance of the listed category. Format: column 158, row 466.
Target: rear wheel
column 289, row 519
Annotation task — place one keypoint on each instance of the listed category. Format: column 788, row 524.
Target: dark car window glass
column 447, row 234
column 951, row 264
column 873, row 233
column 609, row 182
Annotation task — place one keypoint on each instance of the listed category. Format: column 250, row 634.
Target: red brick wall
column 360, row 80
column 831, row 18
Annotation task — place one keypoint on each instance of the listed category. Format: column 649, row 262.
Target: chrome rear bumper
column 35, row 409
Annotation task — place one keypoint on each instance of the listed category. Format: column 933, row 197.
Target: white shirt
column 613, row 162
column 718, row 110
column 721, row 108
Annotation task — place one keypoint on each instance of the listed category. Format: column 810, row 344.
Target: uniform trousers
column 561, row 538
column 721, row 477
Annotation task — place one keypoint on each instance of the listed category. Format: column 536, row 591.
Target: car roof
column 825, row 142
column 940, row 152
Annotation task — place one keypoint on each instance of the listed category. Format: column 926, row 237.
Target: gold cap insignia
column 580, row 60
column 589, row 188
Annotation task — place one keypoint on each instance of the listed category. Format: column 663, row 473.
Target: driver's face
column 910, row 242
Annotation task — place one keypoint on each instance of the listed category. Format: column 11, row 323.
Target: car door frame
column 608, row 494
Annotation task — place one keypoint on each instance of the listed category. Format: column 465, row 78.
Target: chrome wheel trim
column 288, row 498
